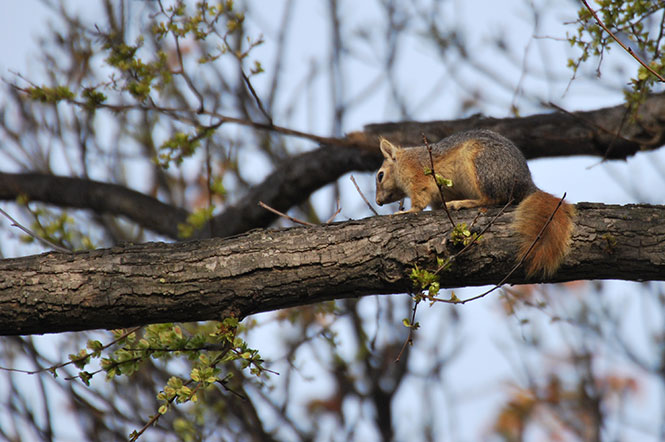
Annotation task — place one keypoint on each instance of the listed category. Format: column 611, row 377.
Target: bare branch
column 284, row 215
column 353, row 180
column 436, row 182
column 44, row 241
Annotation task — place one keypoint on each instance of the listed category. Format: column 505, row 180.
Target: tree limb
column 554, row 134
column 265, row 270
column 544, row 135
column 99, row 197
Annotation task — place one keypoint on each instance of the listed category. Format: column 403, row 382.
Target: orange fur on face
column 456, row 165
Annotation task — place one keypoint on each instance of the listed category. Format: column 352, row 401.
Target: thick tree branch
column 267, row 270
column 561, row 133
column 96, row 196
column 553, row 134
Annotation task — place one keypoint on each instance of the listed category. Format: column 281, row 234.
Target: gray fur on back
column 501, row 167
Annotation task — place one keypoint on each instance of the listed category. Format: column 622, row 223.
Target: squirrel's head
column 388, row 189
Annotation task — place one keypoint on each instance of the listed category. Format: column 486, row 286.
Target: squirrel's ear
column 388, row 149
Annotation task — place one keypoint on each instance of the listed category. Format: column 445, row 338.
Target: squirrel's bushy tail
column 554, row 242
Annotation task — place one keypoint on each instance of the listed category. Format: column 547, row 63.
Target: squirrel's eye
column 380, row 176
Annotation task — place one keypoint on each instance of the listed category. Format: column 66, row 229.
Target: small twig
column 616, row 135
column 184, row 74
column 209, row 183
column 656, row 55
column 480, row 212
column 588, row 122
column 436, row 183
column 134, row 436
column 522, row 258
column 353, row 180
column 409, row 338
column 339, row 209
column 256, row 97
column 230, row 390
column 625, row 48
column 284, row 215
column 186, row 115
column 44, row 241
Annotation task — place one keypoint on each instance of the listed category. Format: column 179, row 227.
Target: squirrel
column 485, row 169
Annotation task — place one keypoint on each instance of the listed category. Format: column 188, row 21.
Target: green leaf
column 443, row 182
column 194, row 374
column 47, row 94
column 85, row 377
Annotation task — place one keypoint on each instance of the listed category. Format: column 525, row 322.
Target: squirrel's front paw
column 401, row 212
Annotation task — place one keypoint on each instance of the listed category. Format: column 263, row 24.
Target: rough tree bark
column 265, row 270
column 553, row 134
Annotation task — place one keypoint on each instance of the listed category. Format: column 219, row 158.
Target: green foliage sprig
column 462, row 235
column 46, row 94
column 139, row 71
column 56, row 227
column 195, row 221
column 214, row 349
column 597, row 30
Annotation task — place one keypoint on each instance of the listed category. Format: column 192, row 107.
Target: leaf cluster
column 639, row 24
column 214, row 350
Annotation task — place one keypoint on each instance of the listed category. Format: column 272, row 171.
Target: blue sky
column 582, row 178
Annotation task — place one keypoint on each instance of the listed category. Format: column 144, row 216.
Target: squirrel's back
column 500, row 166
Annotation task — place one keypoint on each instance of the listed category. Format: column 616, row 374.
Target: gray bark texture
column 265, row 270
